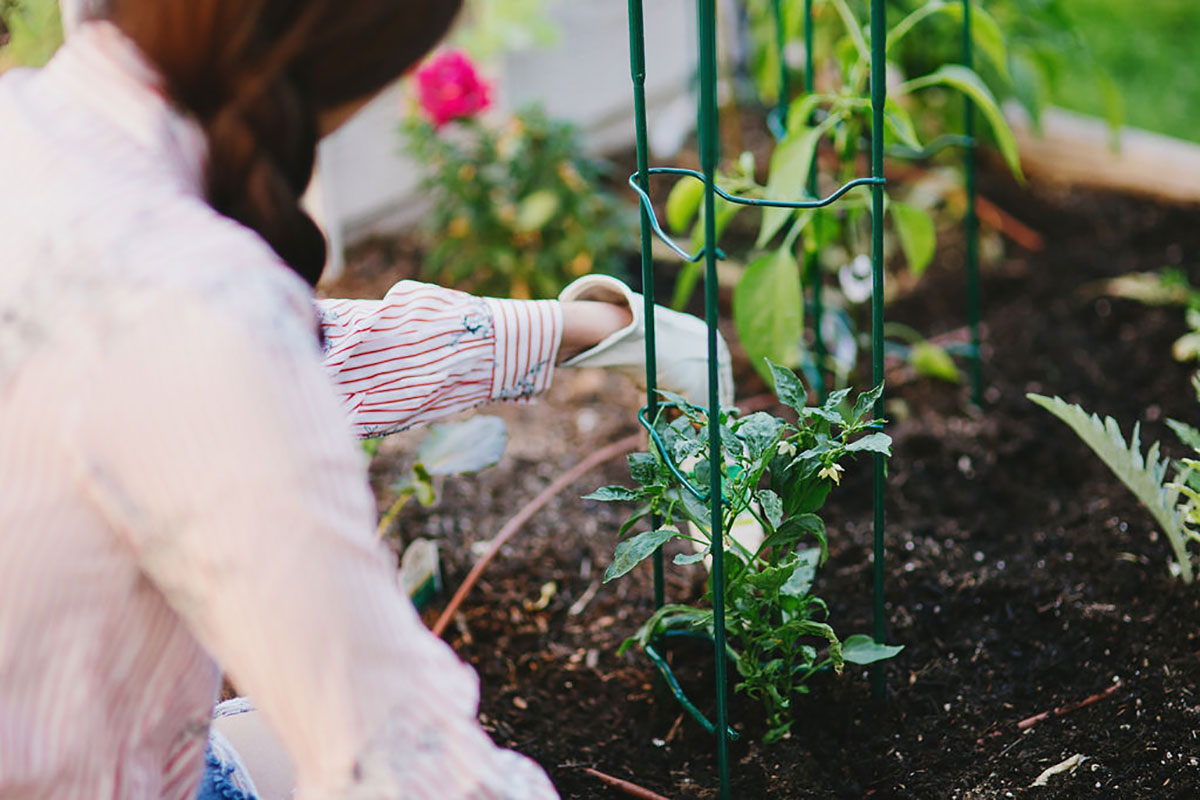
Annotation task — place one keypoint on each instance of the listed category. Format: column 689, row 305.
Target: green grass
column 1150, row 48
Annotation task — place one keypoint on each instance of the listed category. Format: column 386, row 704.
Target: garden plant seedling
column 779, row 634
column 795, row 247
column 1174, row 503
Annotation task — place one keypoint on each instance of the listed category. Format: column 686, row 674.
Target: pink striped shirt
column 179, row 485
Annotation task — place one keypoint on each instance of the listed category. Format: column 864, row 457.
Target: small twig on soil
column 993, row 216
column 1058, row 712
column 515, row 524
column 631, row 789
column 579, row 605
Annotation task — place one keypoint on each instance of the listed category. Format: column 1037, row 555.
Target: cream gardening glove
column 681, row 342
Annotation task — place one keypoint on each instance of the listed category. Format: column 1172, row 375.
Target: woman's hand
column 614, row 336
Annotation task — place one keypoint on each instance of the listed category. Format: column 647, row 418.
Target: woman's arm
column 424, row 352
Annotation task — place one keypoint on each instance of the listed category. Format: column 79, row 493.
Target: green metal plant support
column 707, row 126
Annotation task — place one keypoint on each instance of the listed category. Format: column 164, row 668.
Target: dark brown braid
column 257, row 74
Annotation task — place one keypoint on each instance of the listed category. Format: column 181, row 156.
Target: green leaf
column 683, row 559
column 536, row 211
column 468, row 446
column 760, row 431
column 788, row 387
column 905, row 26
column 768, row 308
column 772, row 507
column 685, row 284
column 918, row 237
column 934, row 362
column 862, row 649
column 897, row 120
column 1144, row 476
column 633, row 551
column 422, row 485
column 724, row 214
column 798, row 528
column 612, row 494
column 800, row 584
column 873, row 443
column 788, row 177
column 969, row 83
column 854, row 28
column 1186, row 433
column 986, row 34
column 643, row 467
column 865, row 402
column 683, row 202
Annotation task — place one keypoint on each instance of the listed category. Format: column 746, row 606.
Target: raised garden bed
column 1022, row 577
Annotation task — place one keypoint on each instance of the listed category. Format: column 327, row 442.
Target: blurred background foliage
column 1147, row 47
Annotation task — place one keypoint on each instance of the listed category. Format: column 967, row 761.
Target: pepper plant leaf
column 767, row 308
column 862, row 649
column 612, row 494
column 969, row 83
column 917, row 234
column 632, row 552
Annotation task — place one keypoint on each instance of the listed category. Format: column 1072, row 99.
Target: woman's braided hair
column 256, row 75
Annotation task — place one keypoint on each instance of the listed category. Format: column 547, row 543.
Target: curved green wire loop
column 648, row 207
column 661, row 446
column 648, row 204
column 664, row 669
column 932, row 149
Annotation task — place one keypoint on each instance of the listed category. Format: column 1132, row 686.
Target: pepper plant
column 769, row 297
column 779, row 475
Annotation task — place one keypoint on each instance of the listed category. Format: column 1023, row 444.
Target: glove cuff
column 605, row 289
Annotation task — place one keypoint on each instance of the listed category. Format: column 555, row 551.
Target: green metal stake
column 637, row 67
column 812, row 267
column 878, row 99
column 971, row 223
column 706, row 12
column 785, row 90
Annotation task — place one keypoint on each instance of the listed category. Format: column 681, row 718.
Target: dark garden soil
column 1021, row 576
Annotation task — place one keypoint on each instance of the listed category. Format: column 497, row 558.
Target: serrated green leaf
column 767, row 308
column 1186, row 433
column 633, row 551
column 917, row 234
column 862, row 649
column 1146, row 478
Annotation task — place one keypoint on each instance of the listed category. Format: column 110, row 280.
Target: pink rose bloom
column 449, row 88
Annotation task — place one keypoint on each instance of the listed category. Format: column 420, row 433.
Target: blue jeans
column 225, row 776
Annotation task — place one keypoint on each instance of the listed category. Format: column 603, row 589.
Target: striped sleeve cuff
column 528, row 334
